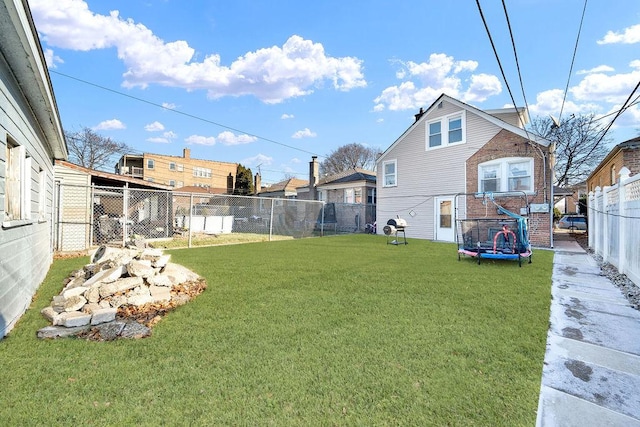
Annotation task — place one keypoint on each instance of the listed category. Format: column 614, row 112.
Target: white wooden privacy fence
column 614, row 224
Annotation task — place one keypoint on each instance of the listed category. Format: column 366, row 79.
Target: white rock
column 75, row 318
column 161, row 280
column 107, row 276
column 117, row 301
column 179, row 273
column 160, row 293
column 140, row 268
column 93, row 294
column 162, row 261
column 91, row 307
column 139, row 299
column 74, row 303
column 120, row 285
column 50, row 314
column 103, row 315
column 80, row 290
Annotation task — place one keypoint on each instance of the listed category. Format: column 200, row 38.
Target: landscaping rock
column 122, row 293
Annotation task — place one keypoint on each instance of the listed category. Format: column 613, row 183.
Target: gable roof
column 421, row 117
column 107, row 178
column 288, row 184
column 349, row 175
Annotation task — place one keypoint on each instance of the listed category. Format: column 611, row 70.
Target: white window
column 172, row 166
column 507, row 174
column 435, row 134
column 448, row 130
column 321, row 195
column 151, row 163
column 357, row 195
column 180, row 167
column 180, row 184
column 15, row 205
column 390, row 174
column 348, row 195
column 172, row 183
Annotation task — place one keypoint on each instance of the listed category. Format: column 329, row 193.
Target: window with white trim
column 172, row 183
column 506, row 174
column 389, row 170
column 357, row 195
column 42, row 194
column 349, row 195
column 151, row 163
column 16, row 195
column 371, row 196
column 172, row 166
column 445, row 131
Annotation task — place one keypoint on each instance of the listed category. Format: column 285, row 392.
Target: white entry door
column 445, row 219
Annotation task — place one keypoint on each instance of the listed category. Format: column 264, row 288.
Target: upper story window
column 172, row 183
column 507, row 174
column 446, row 131
column 390, row 173
column 151, row 163
column 201, row 172
column 172, row 166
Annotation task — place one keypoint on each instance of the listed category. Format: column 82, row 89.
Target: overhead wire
column 193, row 116
column 573, row 58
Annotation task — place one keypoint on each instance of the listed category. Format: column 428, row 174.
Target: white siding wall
column 25, row 251
column 423, row 174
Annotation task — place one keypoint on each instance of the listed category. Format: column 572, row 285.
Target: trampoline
column 494, row 238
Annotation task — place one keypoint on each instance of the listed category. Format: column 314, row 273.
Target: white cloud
column 271, row 74
column 169, row 105
column 51, row 59
column 170, row 134
column 113, row 124
column 629, row 35
column 229, row 138
column 154, row 127
column 287, row 116
column 599, row 87
column 550, row 103
column 259, row 159
column 598, row 69
column 424, row 82
column 295, row 160
column 200, row 140
column 304, row 133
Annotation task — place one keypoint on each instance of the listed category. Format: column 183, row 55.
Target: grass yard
column 343, row 330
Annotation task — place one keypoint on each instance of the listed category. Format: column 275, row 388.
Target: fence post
column 605, row 223
column 271, row 219
column 190, row 218
column 622, row 220
column 598, row 221
column 591, row 199
column 92, row 219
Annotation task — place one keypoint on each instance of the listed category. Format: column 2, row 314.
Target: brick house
column 434, row 172
column 626, row 154
column 178, row 172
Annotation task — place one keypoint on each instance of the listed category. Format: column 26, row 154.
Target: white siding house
column 31, row 138
column 420, row 174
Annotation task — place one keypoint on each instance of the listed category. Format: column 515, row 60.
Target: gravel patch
column 630, row 290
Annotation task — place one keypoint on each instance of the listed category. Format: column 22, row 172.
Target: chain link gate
column 89, row 216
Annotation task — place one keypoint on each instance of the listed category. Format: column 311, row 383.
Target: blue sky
column 270, row 83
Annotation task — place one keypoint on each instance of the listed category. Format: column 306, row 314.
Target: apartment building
column 177, row 172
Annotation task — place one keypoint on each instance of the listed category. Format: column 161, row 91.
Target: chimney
column 420, row 114
column 257, row 184
column 313, row 177
column 230, row 184
column 186, row 153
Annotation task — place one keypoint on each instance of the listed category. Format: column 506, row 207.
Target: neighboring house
column 567, row 200
column 31, row 138
column 286, row 189
column 351, row 187
column 453, row 148
column 85, row 195
column 626, row 154
column 179, row 172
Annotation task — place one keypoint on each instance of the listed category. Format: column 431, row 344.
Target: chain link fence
column 88, row 216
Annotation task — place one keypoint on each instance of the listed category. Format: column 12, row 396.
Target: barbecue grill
column 393, row 227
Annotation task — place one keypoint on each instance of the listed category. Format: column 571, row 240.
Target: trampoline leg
column 519, row 261
column 478, row 259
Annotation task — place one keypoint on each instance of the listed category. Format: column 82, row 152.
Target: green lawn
column 342, row 330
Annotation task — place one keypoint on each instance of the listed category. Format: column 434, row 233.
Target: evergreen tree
column 244, row 181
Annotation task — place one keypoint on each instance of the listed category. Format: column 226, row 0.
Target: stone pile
column 120, row 293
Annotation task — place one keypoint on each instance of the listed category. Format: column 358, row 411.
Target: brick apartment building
column 177, row 172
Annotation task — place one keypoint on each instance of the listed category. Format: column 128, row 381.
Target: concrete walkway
column 591, row 374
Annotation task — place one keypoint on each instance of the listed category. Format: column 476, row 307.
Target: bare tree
column 93, row 151
column 579, row 146
column 349, row 156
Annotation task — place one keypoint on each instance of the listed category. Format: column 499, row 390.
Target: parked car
column 573, row 222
